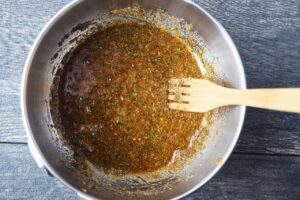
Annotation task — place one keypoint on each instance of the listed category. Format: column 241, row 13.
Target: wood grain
column 267, row 132
column 22, row 179
column 254, row 177
column 243, row 177
column 20, row 23
column 204, row 95
column 265, row 32
column 267, row 35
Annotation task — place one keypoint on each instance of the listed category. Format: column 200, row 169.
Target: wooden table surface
column 266, row 161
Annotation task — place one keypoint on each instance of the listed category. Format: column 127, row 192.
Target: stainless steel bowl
column 36, row 81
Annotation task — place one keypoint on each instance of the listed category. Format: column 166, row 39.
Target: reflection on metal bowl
column 38, row 77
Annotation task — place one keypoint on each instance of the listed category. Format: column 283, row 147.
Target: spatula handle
column 275, row 99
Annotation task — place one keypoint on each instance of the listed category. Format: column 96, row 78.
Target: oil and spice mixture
column 113, row 98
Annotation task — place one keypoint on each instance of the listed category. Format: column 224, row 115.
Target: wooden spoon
column 199, row 95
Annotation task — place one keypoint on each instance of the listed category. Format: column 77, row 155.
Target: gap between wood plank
column 4, row 142
column 265, row 154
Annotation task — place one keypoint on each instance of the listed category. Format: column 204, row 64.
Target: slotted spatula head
column 194, row 95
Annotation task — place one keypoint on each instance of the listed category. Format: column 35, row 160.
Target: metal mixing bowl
column 36, row 81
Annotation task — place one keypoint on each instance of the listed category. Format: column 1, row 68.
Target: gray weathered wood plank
column 267, row 36
column 243, row 177
column 266, row 33
column 20, row 178
column 267, row 132
column 254, row 177
column 20, row 23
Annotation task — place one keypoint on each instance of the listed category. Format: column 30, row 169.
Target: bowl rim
column 24, row 109
column 242, row 113
column 29, row 133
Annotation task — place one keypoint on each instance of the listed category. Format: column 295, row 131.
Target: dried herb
column 115, row 105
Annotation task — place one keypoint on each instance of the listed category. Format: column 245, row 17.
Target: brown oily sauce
column 113, row 98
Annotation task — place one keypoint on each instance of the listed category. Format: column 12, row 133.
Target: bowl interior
column 37, row 81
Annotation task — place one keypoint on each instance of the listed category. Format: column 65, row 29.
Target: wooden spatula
column 199, row 95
